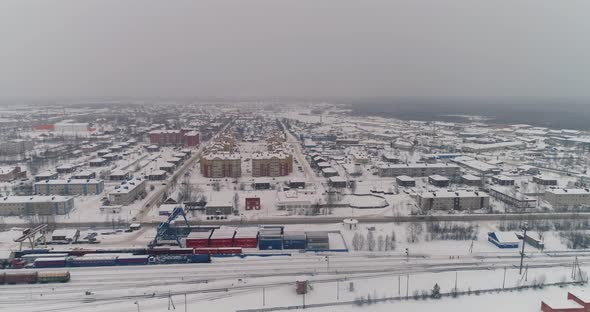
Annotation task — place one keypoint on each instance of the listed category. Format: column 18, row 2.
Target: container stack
column 246, row 237
column 318, row 240
column 270, row 239
column 223, row 237
column 294, row 240
column 198, row 239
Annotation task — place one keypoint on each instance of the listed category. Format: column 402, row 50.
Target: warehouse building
column 35, row 205
column 271, row 165
column 219, row 206
column 417, row 170
column 69, row 187
column 559, row 198
column 127, row 192
column 458, row 200
column 221, row 165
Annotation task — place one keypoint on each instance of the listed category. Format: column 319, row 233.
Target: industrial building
column 559, row 198
column 219, row 206
column 458, row 200
column 127, row 192
column 417, row 170
column 69, row 187
column 221, row 165
column 35, row 205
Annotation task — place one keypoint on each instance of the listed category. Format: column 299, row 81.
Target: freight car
column 53, row 277
column 219, row 251
column 32, row 277
column 23, row 277
column 169, row 259
column 133, row 260
column 57, row 262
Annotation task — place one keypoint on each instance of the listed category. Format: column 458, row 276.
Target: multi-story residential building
column 458, row 200
column 69, row 187
column 127, row 192
column 35, row 205
column 221, row 165
column 15, row 147
column 417, row 170
column 560, row 198
column 271, row 164
column 174, row 137
column 11, row 173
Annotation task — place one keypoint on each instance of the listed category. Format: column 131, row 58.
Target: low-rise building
column 418, row 170
column 512, row 197
column 471, row 180
column 405, row 181
column 561, row 198
column 453, row 200
column 543, row 180
column 35, row 205
column 127, row 192
column 502, row 180
column 439, row 181
column 69, row 187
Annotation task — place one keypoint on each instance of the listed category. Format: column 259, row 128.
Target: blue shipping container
column 294, row 244
column 268, row 244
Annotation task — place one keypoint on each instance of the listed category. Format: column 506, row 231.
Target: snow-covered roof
column 34, row 199
column 453, row 194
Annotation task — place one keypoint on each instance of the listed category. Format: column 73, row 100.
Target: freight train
column 25, row 277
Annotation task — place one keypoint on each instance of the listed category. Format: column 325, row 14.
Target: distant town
column 210, row 198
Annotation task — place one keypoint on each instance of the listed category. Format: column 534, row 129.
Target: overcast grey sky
column 294, row 48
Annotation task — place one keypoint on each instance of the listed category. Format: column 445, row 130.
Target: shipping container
column 19, row 254
column 24, row 277
column 133, row 260
column 55, row 262
column 202, row 258
column 198, row 239
column 31, row 257
column 246, row 237
column 219, row 251
column 53, row 277
column 222, row 238
column 2, row 278
column 90, row 261
column 270, row 243
column 294, row 240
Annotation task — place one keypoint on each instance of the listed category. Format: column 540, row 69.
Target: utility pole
column 408, row 286
column 337, row 290
column 407, row 255
column 399, row 285
column 455, row 281
column 264, row 296
column 522, row 251
column 504, row 280
column 328, row 263
column 185, row 306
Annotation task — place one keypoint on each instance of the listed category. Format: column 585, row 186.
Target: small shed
column 252, row 203
column 503, row 239
column 68, row 235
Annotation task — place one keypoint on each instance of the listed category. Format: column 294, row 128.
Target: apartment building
column 69, row 187
column 559, row 198
column 221, row 165
column 457, row 200
column 127, row 192
column 271, row 164
column 35, row 205
column 417, row 170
